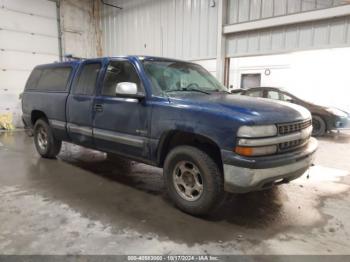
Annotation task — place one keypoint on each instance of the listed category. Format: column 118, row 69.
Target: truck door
column 120, row 123
column 79, row 104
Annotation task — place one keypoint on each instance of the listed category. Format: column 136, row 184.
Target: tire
column 207, row 180
column 45, row 142
column 318, row 125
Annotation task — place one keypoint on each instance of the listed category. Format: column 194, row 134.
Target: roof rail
column 70, row 57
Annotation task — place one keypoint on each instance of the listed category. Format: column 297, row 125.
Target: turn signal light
column 244, row 151
column 256, row 151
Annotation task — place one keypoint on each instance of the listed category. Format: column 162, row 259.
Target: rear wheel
column 193, row 180
column 45, row 142
column 318, row 126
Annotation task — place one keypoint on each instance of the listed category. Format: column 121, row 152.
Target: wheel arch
column 37, row 114
column 174, row 138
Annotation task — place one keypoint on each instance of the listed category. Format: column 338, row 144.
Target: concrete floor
column 84, row 204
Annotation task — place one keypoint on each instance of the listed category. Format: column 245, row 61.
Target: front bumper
column 243, row 175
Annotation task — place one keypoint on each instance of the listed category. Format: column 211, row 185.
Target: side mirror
column 129, row 90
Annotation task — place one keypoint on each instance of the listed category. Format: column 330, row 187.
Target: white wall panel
column 184, row 29
column 255, row 7
column 267, row 8
column 253, row 42
column 308, row 5
column 16, row 41
column 277, row 39
column 11, row 60
column 338, row 30
column 14, row 81
column 280, row 7
column 233, row 12
column 324, row 3
column 321, row 33
column 291, row 37
column 305, row 40
column 10, row 103
column 264, row 41
column 15, row 21
column 243, row 14
column 37, row 7
column 293, row 6
column 209, row 65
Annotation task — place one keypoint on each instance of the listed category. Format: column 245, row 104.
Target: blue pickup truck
column 171, row 114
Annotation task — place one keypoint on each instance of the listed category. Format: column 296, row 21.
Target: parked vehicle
column 323, row 118
column 171, row 114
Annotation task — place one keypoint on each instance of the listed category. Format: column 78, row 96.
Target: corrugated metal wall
column 185, row 29
column 250, row 10
column 327, row 33
column 315, row 35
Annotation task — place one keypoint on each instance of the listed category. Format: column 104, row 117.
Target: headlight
column 336, row 112
column 257, row 131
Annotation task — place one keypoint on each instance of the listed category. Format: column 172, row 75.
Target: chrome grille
column 291, row 145
column 288, row 128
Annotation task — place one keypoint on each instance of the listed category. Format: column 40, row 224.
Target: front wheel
column 193, row 180
column 45, row 142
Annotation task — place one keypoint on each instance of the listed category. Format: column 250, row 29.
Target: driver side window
column 286, row 98
column 117, row 72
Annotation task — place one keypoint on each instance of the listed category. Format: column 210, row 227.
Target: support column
column 221, row 43
column 227, row 72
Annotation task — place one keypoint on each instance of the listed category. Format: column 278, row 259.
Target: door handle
column 98, row 108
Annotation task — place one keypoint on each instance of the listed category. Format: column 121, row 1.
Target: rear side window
column 33, row 79
column 257, row 93
column 87, row 79
column 49, row 79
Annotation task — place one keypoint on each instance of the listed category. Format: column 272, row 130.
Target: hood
column 310, row 106
column 322, row 109
column 248, row 109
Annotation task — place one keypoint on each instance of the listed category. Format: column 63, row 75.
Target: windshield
column 174, row 76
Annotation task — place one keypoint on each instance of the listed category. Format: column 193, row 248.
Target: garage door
column 28, row 37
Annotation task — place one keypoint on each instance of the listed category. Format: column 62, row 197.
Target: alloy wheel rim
column 316, row 125
column 188, row 181
column 42, row 138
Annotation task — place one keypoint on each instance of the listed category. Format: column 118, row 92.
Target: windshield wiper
column 222, row 91
column 189, row 90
